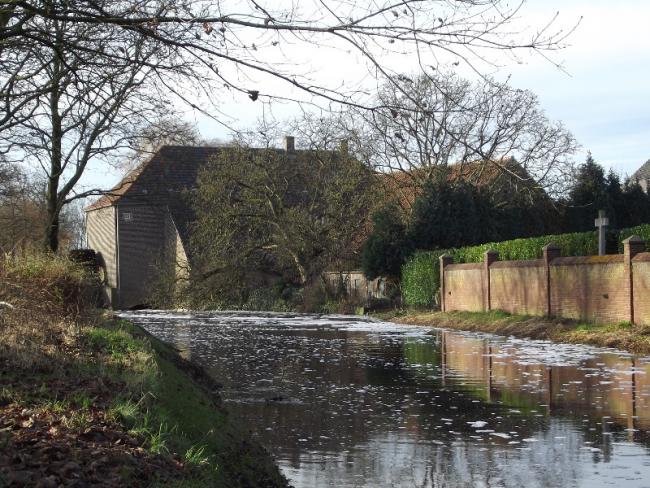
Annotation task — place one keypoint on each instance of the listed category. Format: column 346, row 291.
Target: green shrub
column 421, row 272
column 642, row 231
column 420, row 278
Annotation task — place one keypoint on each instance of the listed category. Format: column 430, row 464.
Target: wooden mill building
column 140, row 228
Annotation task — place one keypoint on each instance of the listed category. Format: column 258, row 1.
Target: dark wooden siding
column 142, row 243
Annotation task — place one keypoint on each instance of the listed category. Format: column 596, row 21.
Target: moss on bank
column 88, row 400
column 182, row 401
column 125, row 410
column 626, row 336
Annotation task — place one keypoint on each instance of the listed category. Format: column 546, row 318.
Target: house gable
column 642, row 176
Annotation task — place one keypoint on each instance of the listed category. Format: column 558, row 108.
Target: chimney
column 289, row 143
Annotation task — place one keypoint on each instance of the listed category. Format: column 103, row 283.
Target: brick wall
column 507, row 293
column 464, row 288
column 641, row 280
column 604, row 289
column 590, row 288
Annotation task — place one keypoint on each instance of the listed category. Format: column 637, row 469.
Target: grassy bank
column 89, row 400
column 626, row 336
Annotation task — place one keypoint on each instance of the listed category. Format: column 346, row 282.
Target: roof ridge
column 108, row 198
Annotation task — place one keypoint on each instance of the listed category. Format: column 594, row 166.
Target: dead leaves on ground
column 45, row 442
column 43, row 448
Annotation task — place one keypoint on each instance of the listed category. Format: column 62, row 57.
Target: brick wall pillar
column 445, row 259
column 632, row 246
column 488, row 258
column 549, row 252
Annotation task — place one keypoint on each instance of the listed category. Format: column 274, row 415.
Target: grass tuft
column 196, row 456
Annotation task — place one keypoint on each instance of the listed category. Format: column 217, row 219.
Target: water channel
column 352, row 402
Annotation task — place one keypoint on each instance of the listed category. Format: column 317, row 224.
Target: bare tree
column 481, row 127
column 82, row 107
column 164, row 131
column 288, row 214
column 76, row 76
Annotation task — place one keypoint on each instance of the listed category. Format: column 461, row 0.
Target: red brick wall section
column 464, row 287
column 590, row 288
column 518, row 287
column 641, row 280
column 602, row 289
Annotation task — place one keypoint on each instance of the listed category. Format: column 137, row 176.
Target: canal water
column 352, row 402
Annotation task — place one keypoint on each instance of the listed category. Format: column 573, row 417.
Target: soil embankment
column 89, row 400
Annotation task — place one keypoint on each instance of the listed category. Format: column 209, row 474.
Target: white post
column 601, row 223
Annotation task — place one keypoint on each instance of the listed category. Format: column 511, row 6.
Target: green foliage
column 272, row 298
column 421, row 272
column 626, row 205
column 196, row 455
column 116, row 342
column 445, row 214
column 643, row 231
column 266, row 216
column 420, row 278
column 589, row 193
column 387, row 247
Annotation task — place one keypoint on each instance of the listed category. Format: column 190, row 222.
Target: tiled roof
column 162, row 179
column 402, row 187
column 169, row 171
column 643, row 173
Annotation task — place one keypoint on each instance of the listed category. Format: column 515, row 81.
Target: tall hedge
column 421, row 272
column 642, row 231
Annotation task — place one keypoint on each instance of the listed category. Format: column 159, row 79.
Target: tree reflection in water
column 344, row 401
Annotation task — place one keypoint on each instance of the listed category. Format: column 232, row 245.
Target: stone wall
column 603, row 289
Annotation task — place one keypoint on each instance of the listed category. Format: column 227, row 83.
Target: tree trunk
column 56, row 156
column 302, row 269
column 52, row 231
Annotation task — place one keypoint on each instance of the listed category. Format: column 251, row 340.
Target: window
column 127, row 216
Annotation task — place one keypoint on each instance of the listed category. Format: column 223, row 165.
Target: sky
column 604, row 96
column 601, row 92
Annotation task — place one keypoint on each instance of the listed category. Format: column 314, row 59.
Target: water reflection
column 344, row 401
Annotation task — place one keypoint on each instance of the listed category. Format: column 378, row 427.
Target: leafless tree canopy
column 434, row 121
column 79, row 77
column 441, row 120
column 258, row 37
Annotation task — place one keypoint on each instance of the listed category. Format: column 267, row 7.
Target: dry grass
column 105, row 394
column 626, row 336
column 49, row 301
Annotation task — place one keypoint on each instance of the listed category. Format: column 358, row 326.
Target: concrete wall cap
column 634, row 240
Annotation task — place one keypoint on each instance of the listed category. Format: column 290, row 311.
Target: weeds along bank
column 623, row 335
column 89, row 400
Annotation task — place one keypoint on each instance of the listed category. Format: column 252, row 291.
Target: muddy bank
column 625, row 336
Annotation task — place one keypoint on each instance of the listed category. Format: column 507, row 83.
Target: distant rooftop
column 643, row 173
